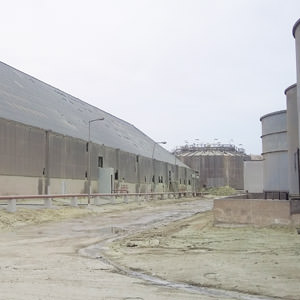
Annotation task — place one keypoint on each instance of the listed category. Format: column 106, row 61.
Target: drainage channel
column 183, row 286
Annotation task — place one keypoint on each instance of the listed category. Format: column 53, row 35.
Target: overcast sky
column 179, row 70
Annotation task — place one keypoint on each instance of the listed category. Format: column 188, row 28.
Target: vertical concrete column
column 12, row 205
column 47, row 172
column 126, row 198
column 117, row 187
column 74, row 201
column 97, row 201
column 292, row 139
column 63, row 187
column 48, row 202
column 138, row 175
column 139, row 199
column 113, row 199
column 153, row 184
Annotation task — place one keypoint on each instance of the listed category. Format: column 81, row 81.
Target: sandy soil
column 107, row 252
column 51, row 259
column 262, row 261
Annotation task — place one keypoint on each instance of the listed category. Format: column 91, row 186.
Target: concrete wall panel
column 252, row 211
column 128, row 167
column 21, row 185
column 17, row 154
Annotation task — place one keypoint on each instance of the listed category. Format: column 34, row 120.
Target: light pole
column 89, row 158
column 154, row 146
column 175, row 171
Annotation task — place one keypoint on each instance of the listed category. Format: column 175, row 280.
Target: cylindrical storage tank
column 275, row 154
column 296, row 34
column 292, row 139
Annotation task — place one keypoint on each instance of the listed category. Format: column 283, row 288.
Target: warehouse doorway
column 106, row 180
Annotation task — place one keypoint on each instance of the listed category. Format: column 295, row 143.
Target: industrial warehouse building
column 217, row 165
column 45, row 148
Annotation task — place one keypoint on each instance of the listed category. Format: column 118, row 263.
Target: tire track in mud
column 226, row 294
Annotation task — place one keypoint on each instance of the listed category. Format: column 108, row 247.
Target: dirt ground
column 151, row 250
column 262, row 261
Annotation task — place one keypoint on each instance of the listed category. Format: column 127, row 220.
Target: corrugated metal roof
column 30, row 101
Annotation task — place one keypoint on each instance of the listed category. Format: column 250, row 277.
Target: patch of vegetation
column 220, row 191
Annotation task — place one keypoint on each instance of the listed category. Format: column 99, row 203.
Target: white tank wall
column 273, row 122
column 253, row 176
column 275, row 154
column 275, row 170
column 274, row 142
column 296, row 33
column 292, row 138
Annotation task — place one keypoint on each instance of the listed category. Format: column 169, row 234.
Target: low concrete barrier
column 258, row 212
column 295, row 206
column 111, row 198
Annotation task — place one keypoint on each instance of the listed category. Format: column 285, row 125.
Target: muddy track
column 99, row 251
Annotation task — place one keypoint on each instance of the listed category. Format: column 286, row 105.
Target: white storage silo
column 275, row 154
column 292, row 139
column 296, row 33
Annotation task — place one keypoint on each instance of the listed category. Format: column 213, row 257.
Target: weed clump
column 221, row 191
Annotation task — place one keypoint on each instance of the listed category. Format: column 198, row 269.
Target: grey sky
column 178, row 70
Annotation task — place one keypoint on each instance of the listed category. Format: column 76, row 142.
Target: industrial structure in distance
column 217, row 164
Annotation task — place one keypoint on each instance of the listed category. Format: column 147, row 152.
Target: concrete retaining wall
column 256, row 212
column 295, row 206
